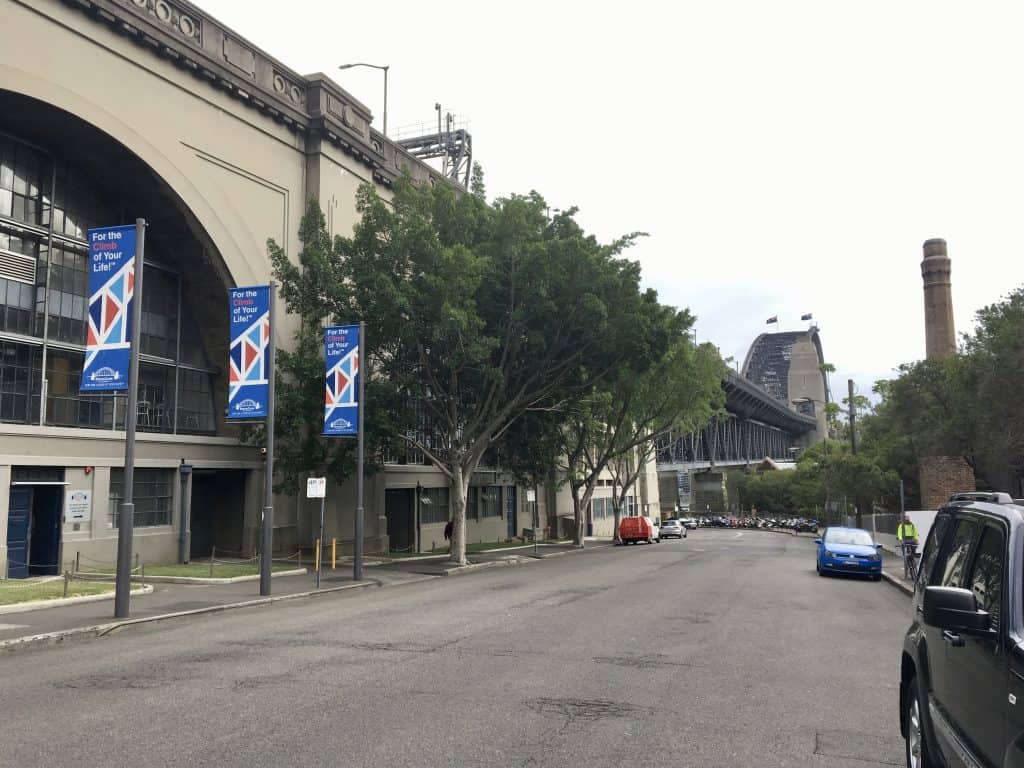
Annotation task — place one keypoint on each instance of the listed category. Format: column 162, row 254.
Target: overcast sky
column 786, row 157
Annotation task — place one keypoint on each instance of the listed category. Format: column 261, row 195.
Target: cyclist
column 906, row 535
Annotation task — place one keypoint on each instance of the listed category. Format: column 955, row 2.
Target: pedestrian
column 448, row 532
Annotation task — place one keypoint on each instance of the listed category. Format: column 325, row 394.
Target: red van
column 634, row 529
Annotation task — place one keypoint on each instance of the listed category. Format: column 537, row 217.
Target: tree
column 482, row 313
column 681, row 391
column 309, row 291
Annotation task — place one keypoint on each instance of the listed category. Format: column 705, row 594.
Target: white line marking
column 737, row 535
column 5, row 627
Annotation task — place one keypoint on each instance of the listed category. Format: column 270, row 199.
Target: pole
column 126, row 518
column 357, row 554
column 853, row 419
column 268, row 491
column 385, row 114
column 320, row 543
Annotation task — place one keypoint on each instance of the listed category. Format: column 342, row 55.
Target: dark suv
column 962, row 670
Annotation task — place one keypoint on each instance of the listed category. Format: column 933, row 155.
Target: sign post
column 251, row 389
column 112, row 361
column 316, row 488
column 343, row 411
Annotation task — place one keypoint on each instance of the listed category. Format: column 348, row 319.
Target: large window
column 433, row 505
column 46, row 206
column 490, row 501
column 151, row 494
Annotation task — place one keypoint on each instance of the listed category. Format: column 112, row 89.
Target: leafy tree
column 483, row 313
column 308, row 289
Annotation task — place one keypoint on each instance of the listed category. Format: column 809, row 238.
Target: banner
column 250, row 334
column 341, row 399
column 111, row 287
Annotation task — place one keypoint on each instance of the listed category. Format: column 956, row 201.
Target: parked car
column 634, row 529
column 848, row 550
column 689, row 524
column 962, row 666
column 673, row 527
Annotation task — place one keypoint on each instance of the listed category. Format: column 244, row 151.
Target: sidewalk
column 95, row 619
column 166, row 601
column 892, row 571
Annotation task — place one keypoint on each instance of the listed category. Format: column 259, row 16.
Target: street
column 723, row 649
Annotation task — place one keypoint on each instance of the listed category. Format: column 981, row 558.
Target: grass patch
column 201, row 570
column 17, row 591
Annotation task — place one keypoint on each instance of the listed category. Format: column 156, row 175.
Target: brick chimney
column 939, row 334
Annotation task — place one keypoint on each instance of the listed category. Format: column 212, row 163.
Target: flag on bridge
column 772, row 319
column 808, row 316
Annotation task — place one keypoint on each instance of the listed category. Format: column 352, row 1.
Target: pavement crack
column 585, row 710
column 655, row 661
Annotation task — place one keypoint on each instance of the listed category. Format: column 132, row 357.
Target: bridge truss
column 726, row 441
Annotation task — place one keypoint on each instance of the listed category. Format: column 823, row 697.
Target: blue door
column 44, row 536
column 18, row 518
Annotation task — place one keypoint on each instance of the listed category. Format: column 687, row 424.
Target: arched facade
column 117, row 109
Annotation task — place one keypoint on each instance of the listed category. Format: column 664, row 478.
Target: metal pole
column 385, row 105
column 268, row 491
column 357, row 559
column 126, row 518
column 853, row 419
column 320, row 543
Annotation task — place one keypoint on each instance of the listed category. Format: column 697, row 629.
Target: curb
column 521, row 560
column 39, row 605
column 898, row 583
column 102, row 630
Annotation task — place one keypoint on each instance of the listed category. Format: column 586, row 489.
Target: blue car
column 849, row 550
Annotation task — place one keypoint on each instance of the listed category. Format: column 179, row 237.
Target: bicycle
column 909, row 547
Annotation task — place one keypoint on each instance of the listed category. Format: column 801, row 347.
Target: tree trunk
column 459, row 490
column 577, row 514
column 617, row 508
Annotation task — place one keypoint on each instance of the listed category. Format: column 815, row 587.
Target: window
column 932, row 546
column 986, row 577
column 960, row 548
column 472, row 502
column 433, row 505
column 64, row 405
column 510, row 502
column 631, row 506
column 19, row 382
column 490, row 501
column 152, row 496
column 68, row 294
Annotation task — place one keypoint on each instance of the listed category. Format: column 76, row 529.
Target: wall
column 941, row 477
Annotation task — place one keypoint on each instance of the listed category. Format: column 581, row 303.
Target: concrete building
column 117, row 109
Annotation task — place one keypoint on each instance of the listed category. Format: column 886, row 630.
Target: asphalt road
column 724, row 649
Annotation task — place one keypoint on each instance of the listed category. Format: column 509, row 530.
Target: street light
column 384, row 68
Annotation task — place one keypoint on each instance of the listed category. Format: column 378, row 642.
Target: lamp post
column 384, row 68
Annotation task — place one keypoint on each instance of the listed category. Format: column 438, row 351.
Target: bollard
column 317, row 563
column 142, row 573
column 213, row 552
column 67, row 578
column 78, row 562
column 334, row 553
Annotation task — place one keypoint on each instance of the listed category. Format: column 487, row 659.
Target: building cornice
column 180, row 32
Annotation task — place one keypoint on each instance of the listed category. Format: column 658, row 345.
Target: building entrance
column 218, row 506
column 398, row 506
column 33, row 530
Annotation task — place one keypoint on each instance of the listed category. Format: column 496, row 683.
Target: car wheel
column 916, row 746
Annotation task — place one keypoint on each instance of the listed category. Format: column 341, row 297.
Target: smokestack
column 939, row 334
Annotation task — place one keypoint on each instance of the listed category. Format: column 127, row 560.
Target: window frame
column 994, row 524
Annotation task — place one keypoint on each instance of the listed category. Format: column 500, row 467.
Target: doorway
column 218, row 507
column 398, row 507
column 33, row 530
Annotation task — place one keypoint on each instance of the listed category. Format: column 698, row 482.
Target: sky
column 784, row 158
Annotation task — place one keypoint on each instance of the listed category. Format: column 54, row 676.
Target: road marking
column 5, row 627
column 700, row 550
column 737, row 535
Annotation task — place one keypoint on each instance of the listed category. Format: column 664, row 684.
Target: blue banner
column 248, row 385
column 341, row 398
column 111, row 288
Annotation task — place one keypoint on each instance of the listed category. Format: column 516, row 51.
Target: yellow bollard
column 318, row 556
column 334, row 553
